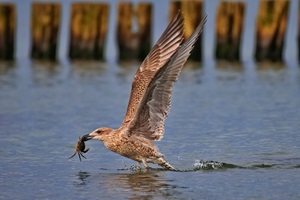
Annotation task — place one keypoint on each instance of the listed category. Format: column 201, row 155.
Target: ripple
column 202, row 165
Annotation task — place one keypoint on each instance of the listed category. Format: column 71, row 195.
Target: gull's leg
column 145, row 164
column 139, row 165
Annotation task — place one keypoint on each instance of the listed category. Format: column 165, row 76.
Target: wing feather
column 158, row 56
column 156, row 103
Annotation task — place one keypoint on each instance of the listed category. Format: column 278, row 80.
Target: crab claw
column 86, row 150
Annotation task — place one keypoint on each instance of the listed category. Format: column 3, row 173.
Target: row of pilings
column 89, row 24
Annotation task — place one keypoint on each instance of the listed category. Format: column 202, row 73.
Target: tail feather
column 162, row 162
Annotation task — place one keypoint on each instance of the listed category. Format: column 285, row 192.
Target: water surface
column 234, row 131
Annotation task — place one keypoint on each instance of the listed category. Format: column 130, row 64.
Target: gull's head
column 98, row 134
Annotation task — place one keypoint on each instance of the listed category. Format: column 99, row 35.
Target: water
column 235, row 133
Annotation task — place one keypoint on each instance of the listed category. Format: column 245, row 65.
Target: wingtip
column 179, row 12
column 205, row 17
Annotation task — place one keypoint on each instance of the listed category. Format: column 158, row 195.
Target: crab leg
column 79, row 156
column 82, row 155
column 73, row 155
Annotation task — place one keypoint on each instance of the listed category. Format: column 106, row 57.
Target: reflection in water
column 272, row 73
column 270, row 65
column 233, row 66
column 129, row 64
column 82, row 176
column 47, row 67
column 132, row 185
column 155, row 184
column 88, row 69
column 127, row 68
column 141, row 184
column 192, row 65
column 7, row 74
column 229, row 71
column 53, row 73
column 45, row 72
column 6, row 67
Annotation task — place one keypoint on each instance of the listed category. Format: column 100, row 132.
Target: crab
column 80, row 149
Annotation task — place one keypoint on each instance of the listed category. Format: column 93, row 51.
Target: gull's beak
column 87, row 137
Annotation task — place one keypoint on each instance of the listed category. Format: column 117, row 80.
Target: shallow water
column 234, row 133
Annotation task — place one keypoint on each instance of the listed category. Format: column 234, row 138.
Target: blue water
column 244, row 119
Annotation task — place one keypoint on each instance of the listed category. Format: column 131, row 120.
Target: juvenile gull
column 150, row 98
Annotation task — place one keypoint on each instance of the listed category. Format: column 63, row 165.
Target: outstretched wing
column 156, row 103
column 162, row 51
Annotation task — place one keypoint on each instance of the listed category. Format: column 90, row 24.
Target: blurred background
column 117, row 30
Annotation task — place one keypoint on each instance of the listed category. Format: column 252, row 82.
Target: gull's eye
column 98, row 131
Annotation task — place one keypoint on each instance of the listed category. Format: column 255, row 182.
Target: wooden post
column 89, row 23
column 144, row 18
column 229, row 25
column 7, row 31
column 299, row 32
column 44, row 30
column 134, row 44
column 193, row 13
column 271, row 27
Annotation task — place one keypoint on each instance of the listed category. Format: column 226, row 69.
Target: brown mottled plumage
column 150, row 98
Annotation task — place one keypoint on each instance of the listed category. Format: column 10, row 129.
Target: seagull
column 150, row 98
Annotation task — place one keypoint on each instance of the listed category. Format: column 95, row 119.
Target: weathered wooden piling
column 271, row 28
column 7, row 31
column 89, row 24
column 299, row 32
column 229, row 25
column 45, row 19
column 134, row 44
column 193, row 13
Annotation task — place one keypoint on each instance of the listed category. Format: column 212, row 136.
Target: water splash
column 198, row 165
column 207, row 165
column 202, row 165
